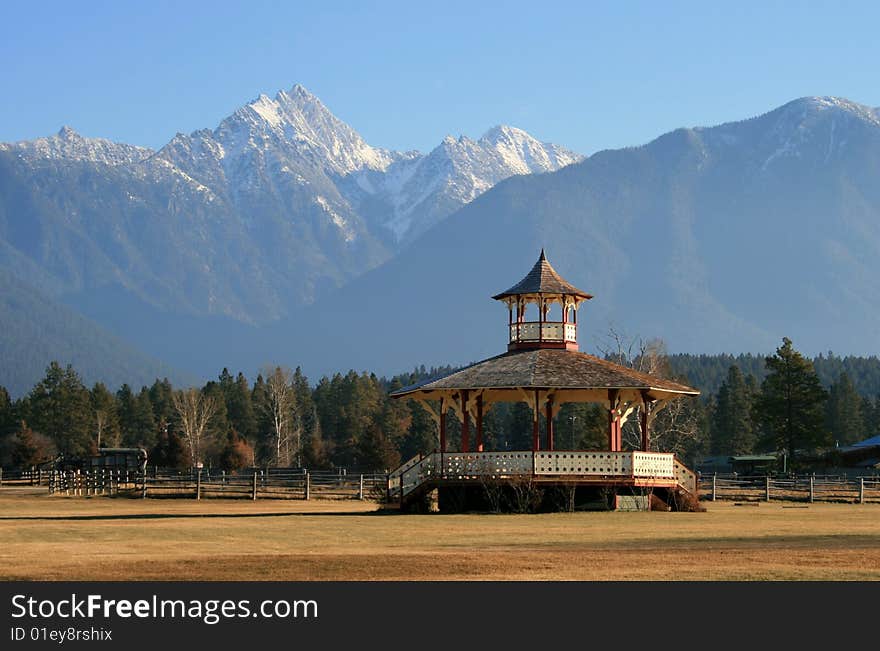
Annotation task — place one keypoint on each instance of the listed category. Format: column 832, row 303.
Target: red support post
column 613, row 421
column 465, row 423
column 646, row 435
column 536, row 426
column 480, row 423
column 442, row 425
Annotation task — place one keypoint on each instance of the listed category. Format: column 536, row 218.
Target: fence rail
column 813, row 488
column 28, row 477
column 258, row 484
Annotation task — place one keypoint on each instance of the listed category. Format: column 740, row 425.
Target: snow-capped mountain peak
column 419, row 192
column 67, row 144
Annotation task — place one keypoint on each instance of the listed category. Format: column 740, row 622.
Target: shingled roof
column 543, row 279
column 547, row 369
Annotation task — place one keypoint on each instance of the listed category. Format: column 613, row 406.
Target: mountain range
column 282, row 237
column 280, row 204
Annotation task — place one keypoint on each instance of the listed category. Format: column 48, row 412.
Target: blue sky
column 588, row 75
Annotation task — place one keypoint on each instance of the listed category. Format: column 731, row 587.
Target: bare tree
column 676, row 424
column 286, row 429
column 677, row 428
column 643, row 355
column 100, row 422
column 195, row 411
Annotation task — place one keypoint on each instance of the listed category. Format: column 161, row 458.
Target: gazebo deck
column 596, row 468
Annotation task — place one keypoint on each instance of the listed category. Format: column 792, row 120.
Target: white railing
column 653, row 464
column 542, row 331
column 583, row 463
column 498, row 465
column 685, row 477
column 418, row 474
column 461, row 465
column 395, row 474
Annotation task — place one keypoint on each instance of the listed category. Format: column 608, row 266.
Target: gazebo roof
column 543, row 279
column 547, row 369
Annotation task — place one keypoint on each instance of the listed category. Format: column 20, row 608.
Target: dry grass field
column 65, row 538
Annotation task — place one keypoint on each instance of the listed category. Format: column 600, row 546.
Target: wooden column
column 510, row 321
column 613, row 421
column 465, row 423
column 519, row 318
column 480, row 423
column 550, row 432
column 442, row 424
column 536, row 425
column 646, row 435
column 540, row 321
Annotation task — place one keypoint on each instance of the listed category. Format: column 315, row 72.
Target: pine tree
column 136, row 420
column 7, row 413
column 518, row 428
column 239, row 407
column 733, row 432
column 376, row 450
column 421, row 436
column 59, row 408
column 220, row 425
column 790, row 406
column 314, row 450
column 170, row 450
column 871, row 416
column 161, row 402
column 844, row 412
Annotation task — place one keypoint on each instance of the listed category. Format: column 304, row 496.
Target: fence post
column 39, row 476
column 812, row 488
column 254, row 490
column 1, row 476
column 361, row 488
column 767, row 489
column 714, row 485
column 861, row 490
column 144, row 486
column 308, row 485
column 199, row 485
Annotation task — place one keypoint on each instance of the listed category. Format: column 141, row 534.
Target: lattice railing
column 498, row 465
column 653, row 464
column 461, row 465
column 543, row 331
column 583, row 463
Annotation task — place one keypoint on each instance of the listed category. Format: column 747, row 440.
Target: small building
column 864, row 455
column 544, row 369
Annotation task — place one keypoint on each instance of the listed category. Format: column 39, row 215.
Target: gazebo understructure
column 544, row 369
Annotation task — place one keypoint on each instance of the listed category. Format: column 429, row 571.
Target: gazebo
column 544, row 369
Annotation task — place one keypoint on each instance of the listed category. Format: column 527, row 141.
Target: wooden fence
column 30, row 477
column 255, row 484
column 813, row 488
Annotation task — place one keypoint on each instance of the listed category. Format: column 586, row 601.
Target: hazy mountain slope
column 246, row 221
column 38, row 330
column 715, row 239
